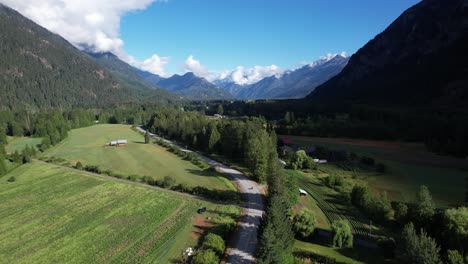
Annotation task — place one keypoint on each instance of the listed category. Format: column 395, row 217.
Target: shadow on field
column 138, row 142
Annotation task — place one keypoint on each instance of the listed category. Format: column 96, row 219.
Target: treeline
column 276, row 238
column 251, row 142
column 444, row 131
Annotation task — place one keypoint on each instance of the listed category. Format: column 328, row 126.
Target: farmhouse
column 119, row 142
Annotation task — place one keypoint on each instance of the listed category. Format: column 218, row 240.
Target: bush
column 205, row 257
column 92, row 168
column 168, row 182
column 79, row 166
column 454, row 257
column 215, row 243
column 342, row 235
column 11, row 179
column 132, row 178
column 304, row 224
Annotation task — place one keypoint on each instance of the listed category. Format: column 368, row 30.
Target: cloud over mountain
column 94, row 24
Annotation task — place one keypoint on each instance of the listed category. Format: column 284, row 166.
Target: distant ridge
column 291, row 84
column 419, row 60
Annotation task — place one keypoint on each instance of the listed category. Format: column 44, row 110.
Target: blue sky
column 224, row 34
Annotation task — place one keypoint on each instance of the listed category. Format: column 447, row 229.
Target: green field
column 332, row 205
column 356, row 255
column 19, row 143
column 409, row 166
column 89, row 146
column 57, row 215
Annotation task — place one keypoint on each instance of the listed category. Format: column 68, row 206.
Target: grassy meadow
column 19, row 143
column 57, row 215
column 409, row 165
column 89, row 146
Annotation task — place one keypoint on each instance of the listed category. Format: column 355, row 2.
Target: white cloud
column 94, row 23
column 244, row 76
column 193, row 65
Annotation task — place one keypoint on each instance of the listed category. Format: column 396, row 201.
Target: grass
column 88, row 145
column 56, row 215
column 331, row 204
column 19, row 143
column 409, row 166
column 354, row 255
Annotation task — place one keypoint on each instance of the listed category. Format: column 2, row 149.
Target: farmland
column 89, row 146
column 56, row 215
column 409, row 165
column 19, row 143
column 331, row 204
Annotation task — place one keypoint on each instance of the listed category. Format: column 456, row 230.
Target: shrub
column 205, row 257
column 342, row 235
column 11, row 179
column 454, row 257
column 92, row 168
column 79, row 166
column 304, row 224
column 215, row 243
column 168, row 182
column 132, row 178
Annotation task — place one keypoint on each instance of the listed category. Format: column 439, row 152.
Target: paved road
column 244, row 243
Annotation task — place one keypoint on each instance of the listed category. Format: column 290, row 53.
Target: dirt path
column 244, row 245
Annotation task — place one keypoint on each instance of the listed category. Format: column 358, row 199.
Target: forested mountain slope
column 39, row 69
column 419, row 60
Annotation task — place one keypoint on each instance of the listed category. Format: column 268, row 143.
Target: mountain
column 39, row 69
column 419, row 60
column 188, row 85
column 291, row 84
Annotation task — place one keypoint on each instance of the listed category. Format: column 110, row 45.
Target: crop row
column 332, row 212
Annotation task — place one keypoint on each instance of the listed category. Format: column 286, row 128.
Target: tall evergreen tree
column 425, row 207
column 214, row 138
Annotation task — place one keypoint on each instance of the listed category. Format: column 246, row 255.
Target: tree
column 215, row 243
column 342, row 235
column 45, row 144
column 147, row 137
column 3, row 138
column 417, row 249
column 79, row 166
column 401, row 213
column 454, row 257
column 205, row 257
column 304, row 223
column 425, row 208
column 456, row 228
column 299, row 160
column 220, row 109
column 214, row 138
column 3, row 166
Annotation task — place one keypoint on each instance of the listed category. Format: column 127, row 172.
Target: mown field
column 19, row 143
column 332, row 205
column 356, row 255
column 409, row 165
column 52, row 214
column 89, row 146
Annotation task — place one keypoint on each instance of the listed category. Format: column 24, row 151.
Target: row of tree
column 248, row 141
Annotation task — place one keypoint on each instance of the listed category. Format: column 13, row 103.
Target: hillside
column 40, row 69
column 188, row 85
column 292, row 84
column 419, row 60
